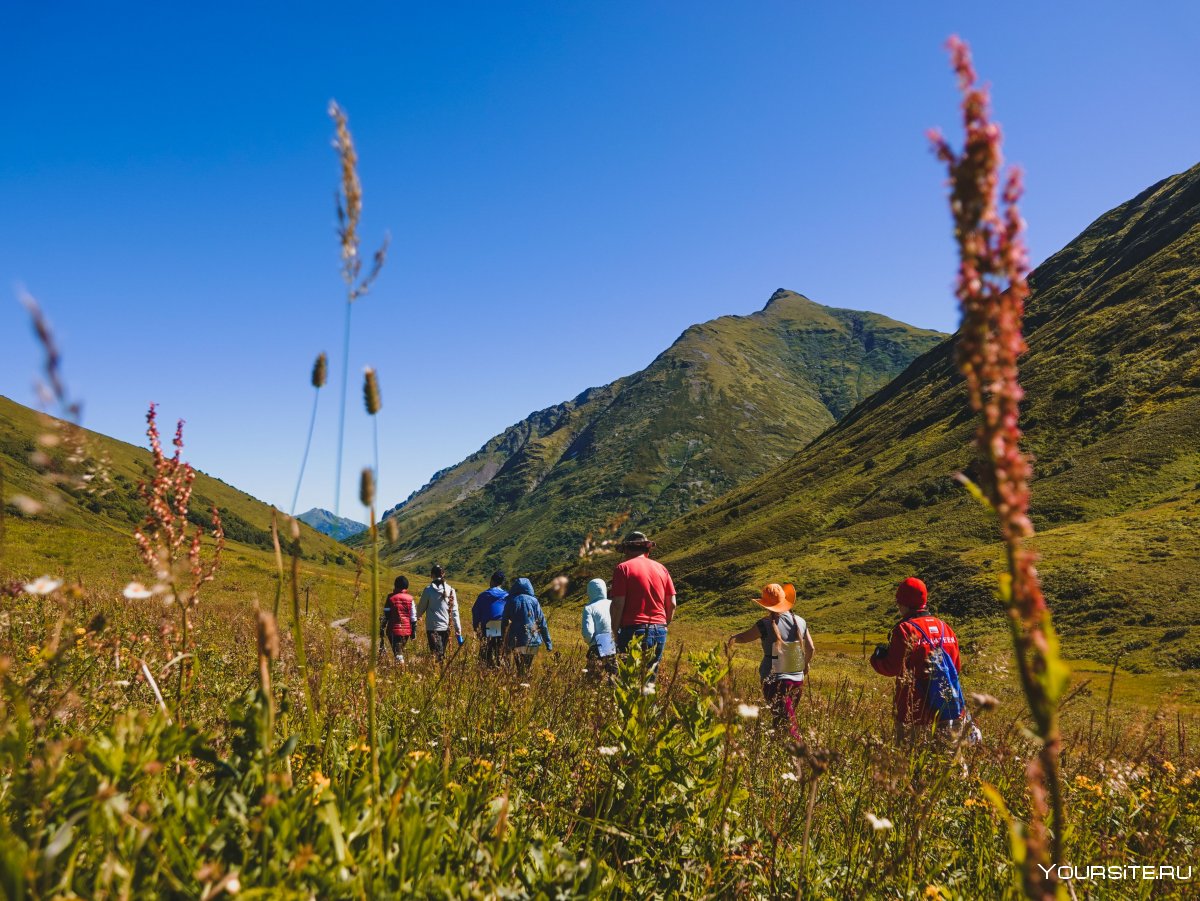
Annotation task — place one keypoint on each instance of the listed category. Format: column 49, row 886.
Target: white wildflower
column 524, row 684
column 879, row 824
column 607, row 750
column 233, row 885
column 747, row 711
column 136, row 591
column 43, row 585
column 789, row 777
column 649, row 689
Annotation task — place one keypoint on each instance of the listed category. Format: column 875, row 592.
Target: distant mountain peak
column 325, row 522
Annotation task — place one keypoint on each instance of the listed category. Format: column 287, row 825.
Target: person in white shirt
column 439, row 606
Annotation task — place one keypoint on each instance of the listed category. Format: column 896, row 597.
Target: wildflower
column 33, row 650
column 524, row 684
column 43, row 585
column 452, row 785
column 879, row 824
column 747, row 711
column 483, row 764
column 790, row 777
column 607, row 750
column 80, row 630
column 418, row 755
column 319, row 782
column 136, row 591
column 413, row 710
column 1168, row 767
column 649, row 689
column 932, row 891
column 233, row 885
column 547, row 736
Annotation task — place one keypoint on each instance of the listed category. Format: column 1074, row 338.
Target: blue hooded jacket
column 488, row 606
column 524, row 624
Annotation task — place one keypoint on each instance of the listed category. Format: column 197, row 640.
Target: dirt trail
column 363, row 642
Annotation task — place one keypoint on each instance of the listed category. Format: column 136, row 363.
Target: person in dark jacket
column 905, row 659
column 487, row 617
column 524, row 625
column 399, row 617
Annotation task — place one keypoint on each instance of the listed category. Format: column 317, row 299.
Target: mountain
column 87, row 526
column 338, row 527
column 1112, row 415
column 725, row 402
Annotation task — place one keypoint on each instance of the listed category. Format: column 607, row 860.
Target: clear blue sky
column 568, row 186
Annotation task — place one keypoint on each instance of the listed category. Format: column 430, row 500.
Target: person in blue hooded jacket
column 486, row 619
column 524, row 625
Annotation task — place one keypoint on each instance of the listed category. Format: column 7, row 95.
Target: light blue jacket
column 597, row 618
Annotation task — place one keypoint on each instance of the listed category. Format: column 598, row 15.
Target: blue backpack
column 944, row 694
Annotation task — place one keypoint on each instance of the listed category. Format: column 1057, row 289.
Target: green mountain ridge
column 110, row 512
column 726, row 401
column 1112, row 416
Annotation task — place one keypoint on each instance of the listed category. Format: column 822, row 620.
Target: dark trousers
column 490, row 650
column 438, row 640
column 598, row 667
column 398, row 642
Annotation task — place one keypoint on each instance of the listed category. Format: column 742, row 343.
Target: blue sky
column 568, row 186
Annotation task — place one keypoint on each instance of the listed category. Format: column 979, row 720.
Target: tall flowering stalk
column 319, row 373
column 173, row 552
column 367, row 496
column 991, row 290
column 349, row 212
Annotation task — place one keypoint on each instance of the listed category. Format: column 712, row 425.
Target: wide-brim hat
column 636, row 541
column 777, row 598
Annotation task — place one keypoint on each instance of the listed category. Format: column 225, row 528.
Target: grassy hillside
column 727, row 401
column 1113, row 417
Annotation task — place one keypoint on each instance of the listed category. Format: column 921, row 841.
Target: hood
column 522, row 586
column 597, row 591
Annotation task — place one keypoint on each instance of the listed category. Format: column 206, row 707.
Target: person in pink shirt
column 643, row 598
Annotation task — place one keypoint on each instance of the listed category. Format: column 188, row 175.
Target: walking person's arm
column 809, row 650
column 544, row 629
column 671, row 605
column 889, row 661
column 746, row 637
column 588, row 628
column 453, row 600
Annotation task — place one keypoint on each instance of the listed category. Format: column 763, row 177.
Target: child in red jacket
column 906, row 657
column 399, row 617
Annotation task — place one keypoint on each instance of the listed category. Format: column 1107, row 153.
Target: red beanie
column 912, row 594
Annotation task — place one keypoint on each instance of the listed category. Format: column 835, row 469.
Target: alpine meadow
column 869, row 610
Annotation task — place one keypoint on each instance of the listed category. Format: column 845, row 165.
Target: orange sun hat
column 777, row 598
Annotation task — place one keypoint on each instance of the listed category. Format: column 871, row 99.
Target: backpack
column 943, row 694
column 788, row 657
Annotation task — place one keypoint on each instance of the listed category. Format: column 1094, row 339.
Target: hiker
column 597, row 631
column 643, row 598
column 923, row 657
column 486, row 617
column 399, row 617
column 439, row 606
column 524, row 625
column 787, row 649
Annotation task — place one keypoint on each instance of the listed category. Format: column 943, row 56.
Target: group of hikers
column 922, row 654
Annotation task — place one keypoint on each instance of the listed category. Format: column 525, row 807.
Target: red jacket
column 905, row 659
column 400, row 614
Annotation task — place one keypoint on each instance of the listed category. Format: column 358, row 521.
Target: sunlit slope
column 114, row 508
column 728, row 400
column 1113, row 418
